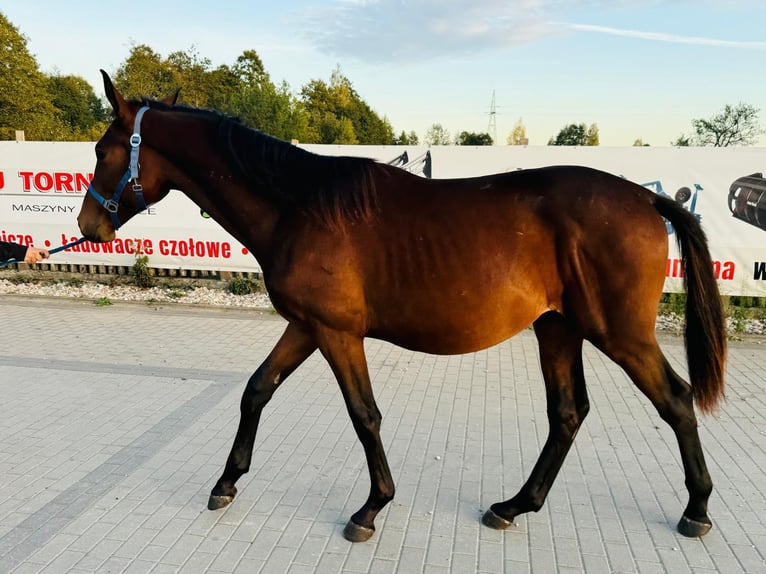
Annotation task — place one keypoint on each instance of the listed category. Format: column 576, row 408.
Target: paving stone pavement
column 116, row 421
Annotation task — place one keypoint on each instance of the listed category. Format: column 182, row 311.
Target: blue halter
column 112, row 204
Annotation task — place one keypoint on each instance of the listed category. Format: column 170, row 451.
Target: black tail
column 705, row 331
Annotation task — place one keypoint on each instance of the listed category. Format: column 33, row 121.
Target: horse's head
column 121, row 186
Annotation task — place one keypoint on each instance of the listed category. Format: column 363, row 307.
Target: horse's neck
column 246, row 215
column 204, row 177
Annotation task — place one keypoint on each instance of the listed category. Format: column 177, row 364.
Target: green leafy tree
column 472, row 138
column 732, row 126
column 249, row 68
column 243, row 89
column 259, row 103
column 145, row 74
column 326, row 107
column 25, row 103
column 191, row 76
column 223, row 89
column 370, row 128
column 406, row 138
column 438, row 135
column 338, row 115
column 80, row 110
column 576, row 135
column 273, row 110
column 263, row 105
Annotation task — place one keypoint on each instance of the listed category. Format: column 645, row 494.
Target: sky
column 638, row 69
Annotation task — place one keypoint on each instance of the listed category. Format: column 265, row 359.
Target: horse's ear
column 118, row 102
column 171, row 100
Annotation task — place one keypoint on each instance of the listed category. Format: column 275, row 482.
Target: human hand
column 35, row 255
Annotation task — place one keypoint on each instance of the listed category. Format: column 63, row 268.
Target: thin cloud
column 387, row 31
column 661, row 37
column 398, row 30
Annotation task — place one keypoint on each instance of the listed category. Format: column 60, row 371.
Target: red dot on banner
column 47, row 243
column 244, row 251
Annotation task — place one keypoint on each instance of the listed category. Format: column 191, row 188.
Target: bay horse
column 350, row 248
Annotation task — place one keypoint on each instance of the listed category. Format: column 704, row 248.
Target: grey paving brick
column 229, row 556
column 197, row 562
column 182, row 549
column 330, row 562
column 109, row 448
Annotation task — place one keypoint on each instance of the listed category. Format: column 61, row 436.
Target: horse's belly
column 453, row 326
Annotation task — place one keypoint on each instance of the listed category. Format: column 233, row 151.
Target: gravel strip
column 674, row 323
column 96, row 291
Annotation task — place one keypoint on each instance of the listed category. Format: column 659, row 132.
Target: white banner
column 42, row 185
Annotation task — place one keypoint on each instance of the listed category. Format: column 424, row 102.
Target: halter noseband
column 131, row 174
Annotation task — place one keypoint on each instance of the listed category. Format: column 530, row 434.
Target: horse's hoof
column 494, row 521
column 215, row 502
column 353, row 532
column 693, row 528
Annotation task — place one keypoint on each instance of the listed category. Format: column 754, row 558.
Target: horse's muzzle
column 100, row 232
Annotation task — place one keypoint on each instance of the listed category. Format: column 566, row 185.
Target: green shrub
column 243, row 286
column 142, row 275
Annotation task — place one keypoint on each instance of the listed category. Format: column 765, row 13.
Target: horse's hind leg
column 345, row 353
column 561, row 361
column 672, row 397
column 291, row 350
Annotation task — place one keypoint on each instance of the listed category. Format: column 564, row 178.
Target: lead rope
column 50, row 252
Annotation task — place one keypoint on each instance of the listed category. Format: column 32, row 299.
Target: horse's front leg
column 345, row 353
column 294, row 347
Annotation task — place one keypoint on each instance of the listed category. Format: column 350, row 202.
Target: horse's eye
column 100, row 154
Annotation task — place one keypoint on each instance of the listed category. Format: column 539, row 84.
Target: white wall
column 42, row 185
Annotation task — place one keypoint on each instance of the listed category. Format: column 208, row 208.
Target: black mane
column 331, row 189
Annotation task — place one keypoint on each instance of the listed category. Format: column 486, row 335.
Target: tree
column 244, row 89
column 576, row 134
column 591, row 136
column 25, row 103
column 471, row 138
column 518, row 135
column 66, row 108
column 190, row 76
column 80, row 110
column 326, row 106
column 223, row 87
column 437, row 135
column 145, row 74
column 369, row 128
column 406, row 138
column 640, row 143
column 337, row 114
column 732, row 126
column 273, row 110
column 250, row 70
